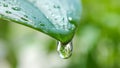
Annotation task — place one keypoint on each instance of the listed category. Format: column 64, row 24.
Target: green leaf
column 56, row 18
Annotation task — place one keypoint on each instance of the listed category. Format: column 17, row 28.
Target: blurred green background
column 96, row 43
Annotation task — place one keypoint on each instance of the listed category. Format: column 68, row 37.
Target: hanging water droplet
column 64, row 50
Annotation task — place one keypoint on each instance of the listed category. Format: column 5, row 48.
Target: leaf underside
column 56, row 18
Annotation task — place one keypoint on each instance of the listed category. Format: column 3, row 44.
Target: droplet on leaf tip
column 64, row 50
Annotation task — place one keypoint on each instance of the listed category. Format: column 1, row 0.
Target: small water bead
column 64, row 50
column 70, row 18
column 56, row 6
column 42, row 24
column 5, row 5
column 16, row 8
column 26, row 16
column 24, row 19
column 34, row 17
column 8, row 12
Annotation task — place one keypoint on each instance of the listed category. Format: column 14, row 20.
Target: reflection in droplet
column 64, row 50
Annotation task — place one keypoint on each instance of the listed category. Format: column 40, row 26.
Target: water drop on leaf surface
column 64, row 50
column 16, row 8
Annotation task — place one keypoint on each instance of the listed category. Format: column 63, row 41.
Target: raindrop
column 56, row 6
column 42, row 24
column 34, row 17
column 5, row 5
column 8, row 12
column 55, row 18
column 64, row 50
column 26, row 16
column 70, row 18
column 24, row 19
column 16, row 8
column 63, row 19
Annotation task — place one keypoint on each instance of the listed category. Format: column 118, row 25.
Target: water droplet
column 24, row 19
column 42, row 24
column 56, row 6
column 34, row 17
column 55, row 18
column 5, row 5
column 64, row 50
column 26, row 16
column 8, row 12
column 70, row 18
column 16, row 8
